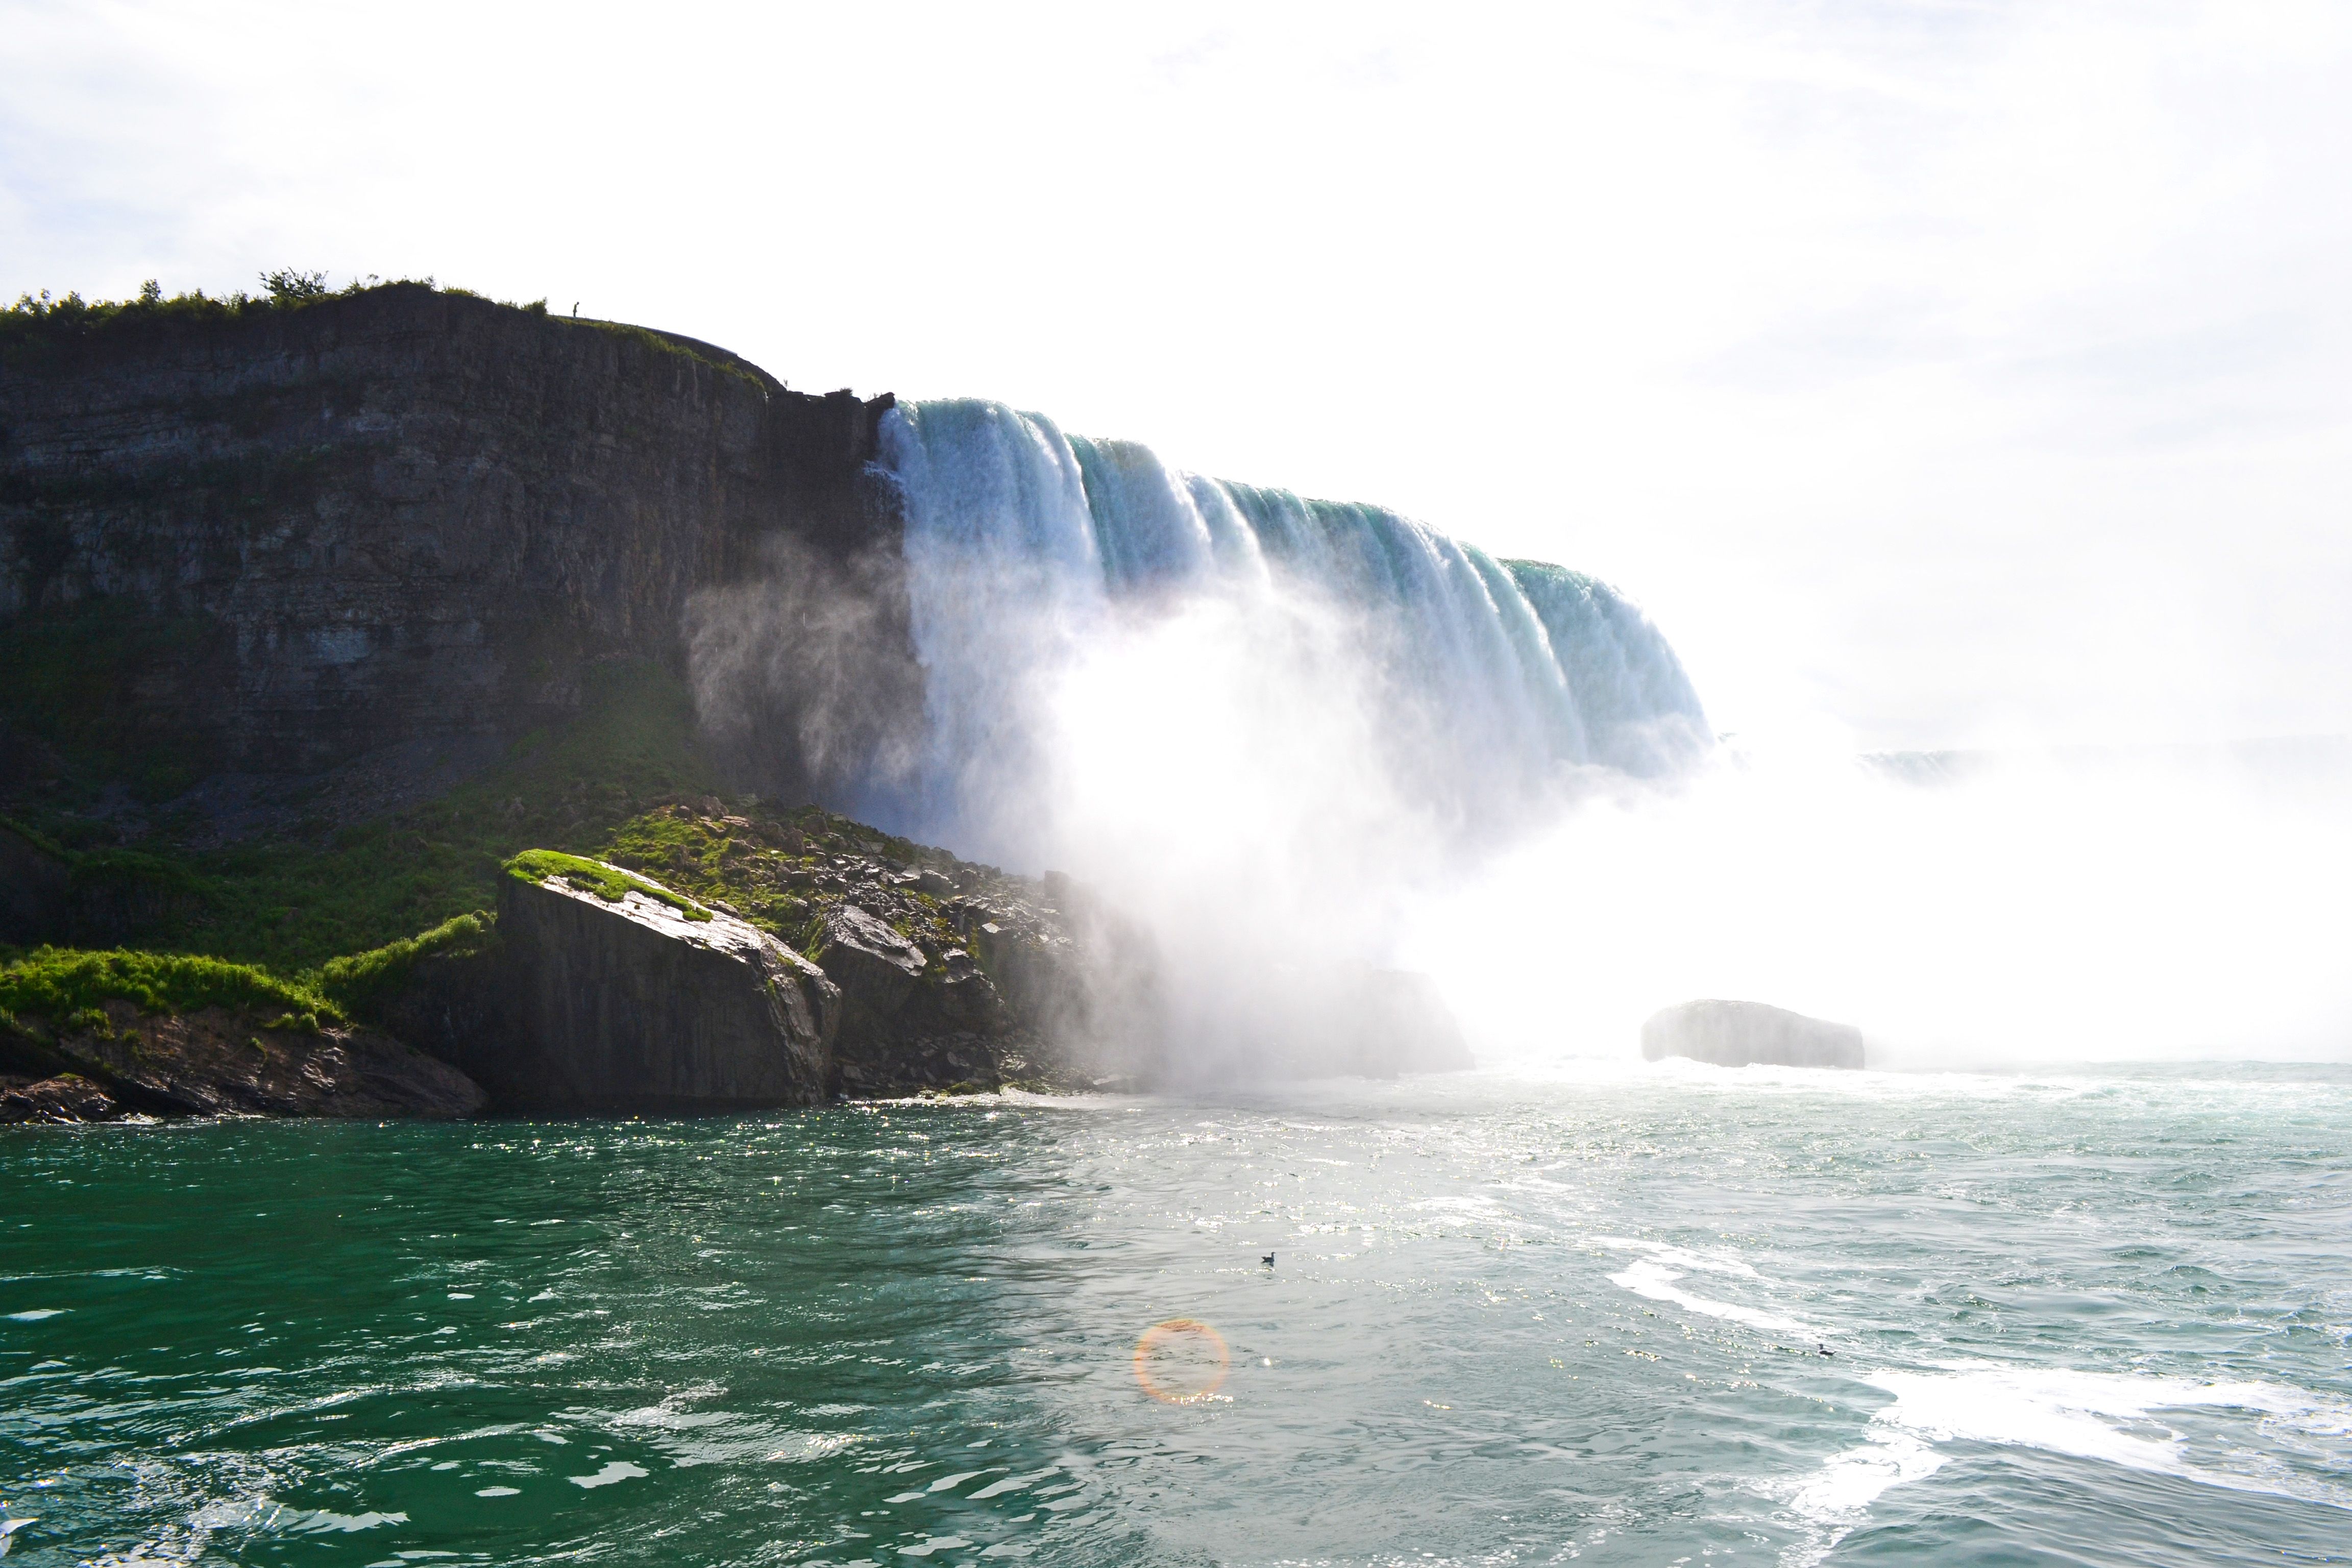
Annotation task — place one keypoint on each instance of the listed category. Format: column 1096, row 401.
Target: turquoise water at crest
column 2085, row 1317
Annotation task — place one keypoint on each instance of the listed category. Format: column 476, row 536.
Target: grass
column 334, row 915
column 668, row 345
column 290, row 902
column 331, row 922
column 67, row 986
column 537, row 865
column 768, row 870
column 768, row 866
column 363, row 982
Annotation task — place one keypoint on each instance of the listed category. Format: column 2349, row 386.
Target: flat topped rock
column 1749, row 1034
column 651, row 1002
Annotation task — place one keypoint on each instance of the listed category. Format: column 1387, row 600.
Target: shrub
column 286, row 286
column 70, row 985
column 363, row 982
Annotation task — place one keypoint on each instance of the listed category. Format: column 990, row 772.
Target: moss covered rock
column 646, row 1002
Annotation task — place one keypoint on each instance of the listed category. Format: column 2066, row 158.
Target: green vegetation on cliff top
column 39, row 319
column 606, row 883
column 363, row 982
column 38, row 324
column 66, row 986
column 290, row 901
column 338, row 916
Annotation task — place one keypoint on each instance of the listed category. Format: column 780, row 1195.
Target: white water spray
column 1035, row 556
column 1290, row 734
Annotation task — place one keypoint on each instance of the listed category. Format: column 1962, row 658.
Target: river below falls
column 2094, row 1315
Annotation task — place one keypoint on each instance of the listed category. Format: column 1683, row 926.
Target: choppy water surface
column 2096, row 1317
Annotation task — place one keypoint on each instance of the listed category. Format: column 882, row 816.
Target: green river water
column 2095, row 1316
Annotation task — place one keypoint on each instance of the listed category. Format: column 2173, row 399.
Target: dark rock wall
column 402, row 513
column 214, row 1061
column 36, row 889
column 633, row 1008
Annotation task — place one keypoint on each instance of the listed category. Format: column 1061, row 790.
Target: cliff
column 317, row 611
column 272, row 540
column 94, row 1037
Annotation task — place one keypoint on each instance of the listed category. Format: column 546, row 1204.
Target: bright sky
column 1936, row 373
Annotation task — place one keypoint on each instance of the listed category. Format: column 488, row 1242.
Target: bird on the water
column 1269, row 1260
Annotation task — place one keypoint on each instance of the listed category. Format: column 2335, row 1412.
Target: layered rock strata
column 311, row 533
column 648, row 1003
column 217, row 1061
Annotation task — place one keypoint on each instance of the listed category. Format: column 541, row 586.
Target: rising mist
column 1293, row 743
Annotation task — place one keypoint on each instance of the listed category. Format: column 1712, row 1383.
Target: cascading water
column 1486, row 680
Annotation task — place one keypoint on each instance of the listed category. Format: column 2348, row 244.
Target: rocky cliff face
column 295, row 573
column 648, row 1002
column 216, row 1060
column 302, row 535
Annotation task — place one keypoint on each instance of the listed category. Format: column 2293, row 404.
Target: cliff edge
column 274, row 537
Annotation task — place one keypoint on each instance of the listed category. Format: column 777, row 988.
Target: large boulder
column 1745, row 1034
column 67, row 1097
column 910, row 1021
column 878, row 970
column 620, row 996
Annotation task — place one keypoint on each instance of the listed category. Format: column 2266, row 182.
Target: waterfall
column 1495, row 680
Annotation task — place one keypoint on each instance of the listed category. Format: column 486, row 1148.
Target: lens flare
column 1182, row 1361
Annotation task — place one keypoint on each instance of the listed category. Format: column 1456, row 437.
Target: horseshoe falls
column 1458, row 688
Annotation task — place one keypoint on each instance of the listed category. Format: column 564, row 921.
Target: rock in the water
column 1744, row 1034
column 649, row 1002
column 68, row 1097
column 906, row 1024
column 216, row 1061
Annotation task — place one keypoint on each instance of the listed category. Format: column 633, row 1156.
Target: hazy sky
column 1936, row 374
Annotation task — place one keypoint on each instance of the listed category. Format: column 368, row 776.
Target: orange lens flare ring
column 1182, row 1361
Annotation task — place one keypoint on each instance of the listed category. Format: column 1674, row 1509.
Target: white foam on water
column 37, row 1313
column 618, row 1471
column 2082, row 1413
column 1851, row 1480
column 1680, row 1256
column 2111, row 1417
column 1654, row 1278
